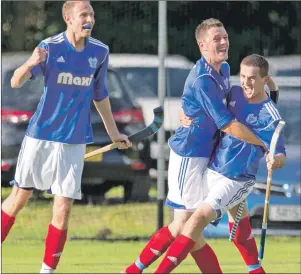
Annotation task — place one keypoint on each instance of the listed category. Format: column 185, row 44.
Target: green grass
column 23, row 250
column 24, row 256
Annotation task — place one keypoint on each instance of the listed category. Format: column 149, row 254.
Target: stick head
column 152, row 128
column 158, row 117
column 275, row 137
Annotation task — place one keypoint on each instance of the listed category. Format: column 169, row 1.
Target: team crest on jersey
column 92, row 62
column 251, row 118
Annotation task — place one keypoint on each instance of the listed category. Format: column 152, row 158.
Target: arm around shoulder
column 241, row 132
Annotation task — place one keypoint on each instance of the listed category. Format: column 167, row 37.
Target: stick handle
column 265, row 215
column 262, row 242
column 102, row 150
column 237, row 220
column 267, row 197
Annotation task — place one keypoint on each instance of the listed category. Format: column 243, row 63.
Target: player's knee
column 60, row 219
column 180, row 218
column 16, row 201
column 20, row 196
column 176, row 227
column 203, row 216
column 198, row 222
column 61, row 213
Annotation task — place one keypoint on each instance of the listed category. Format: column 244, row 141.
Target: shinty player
column 231, row 173
column 74, row 67
column 204, row 100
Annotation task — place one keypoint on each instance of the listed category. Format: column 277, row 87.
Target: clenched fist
column 38, row 56
column 273, row 163
column 123, row 139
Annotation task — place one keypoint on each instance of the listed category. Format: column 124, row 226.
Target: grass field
column 23, row 250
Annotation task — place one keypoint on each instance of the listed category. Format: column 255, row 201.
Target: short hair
column 68, row 5
column 256, row 60
column 207, row 24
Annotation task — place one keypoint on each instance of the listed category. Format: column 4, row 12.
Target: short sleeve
column 100, row 90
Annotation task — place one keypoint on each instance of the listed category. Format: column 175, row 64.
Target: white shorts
column 185, row 186
column 224, row 193
column 51, row 166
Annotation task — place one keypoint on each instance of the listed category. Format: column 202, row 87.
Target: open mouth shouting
column 222, row 50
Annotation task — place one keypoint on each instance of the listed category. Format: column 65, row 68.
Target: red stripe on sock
column 54, row 246
column 155, row 247
column 6, row 224
column 245, row 242
column 206, row 260
column 176, row 253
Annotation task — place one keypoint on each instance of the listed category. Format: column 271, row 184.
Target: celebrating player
column 204, row 99
column 74, row 67
column 231, row 173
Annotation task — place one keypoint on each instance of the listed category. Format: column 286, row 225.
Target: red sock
column 176, row 253
column 155, row 247
column 6, row 224
column 206, row 260
column 245, row 242
column 54, row 245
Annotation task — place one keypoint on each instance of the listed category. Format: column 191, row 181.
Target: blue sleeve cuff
column 98, row 99
column 224, row 121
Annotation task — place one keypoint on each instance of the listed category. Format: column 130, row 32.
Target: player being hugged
column 74, row 66
column 232, row 169
column 204, row 101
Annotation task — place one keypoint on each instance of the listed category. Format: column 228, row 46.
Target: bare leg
column 17, row 199
column 11, row 207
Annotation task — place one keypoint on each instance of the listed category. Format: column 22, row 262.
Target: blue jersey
column 203, row 100
column 72, row 79
column 236, row 159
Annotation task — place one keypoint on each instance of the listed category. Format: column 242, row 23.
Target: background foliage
column 264, row 27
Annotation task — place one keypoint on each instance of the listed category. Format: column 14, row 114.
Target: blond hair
column 258, row 61
column 68, row 5
column 207, row 24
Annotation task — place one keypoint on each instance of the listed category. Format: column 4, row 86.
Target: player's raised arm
column 23, row 73
column 274, row 90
